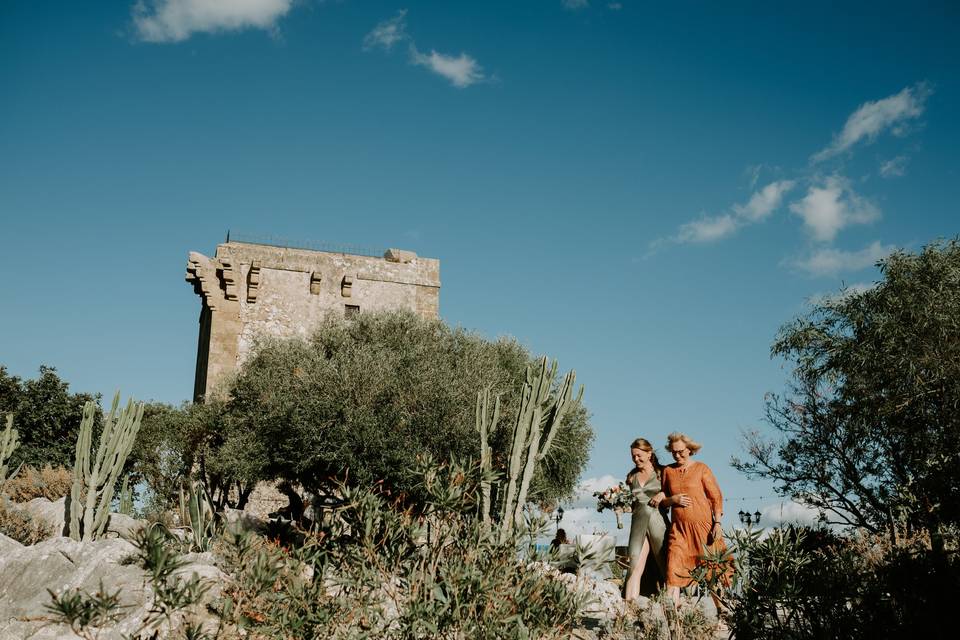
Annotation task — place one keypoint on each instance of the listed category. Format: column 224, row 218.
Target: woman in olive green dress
column 648, row 525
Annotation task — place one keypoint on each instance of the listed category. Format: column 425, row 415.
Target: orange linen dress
column 690, row 527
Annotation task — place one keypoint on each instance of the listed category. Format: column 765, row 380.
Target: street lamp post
column 559, row 516
column 749, row 519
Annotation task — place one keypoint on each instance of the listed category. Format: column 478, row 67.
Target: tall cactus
column 94, row 480
column 538, row 419
column 485, row 427
column 8, row 442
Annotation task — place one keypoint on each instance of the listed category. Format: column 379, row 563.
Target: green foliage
column 801, row 583
column 94, row 478
column 203, row 522
column 870, row 432
column 86, row 614
column 47, row 416
column 380, row 570
column 201, row 439
column 360, row 400
column 174, row 599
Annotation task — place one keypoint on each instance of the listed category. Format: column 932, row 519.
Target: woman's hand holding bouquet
column 619, row 498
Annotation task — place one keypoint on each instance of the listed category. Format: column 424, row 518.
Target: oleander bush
column 379, row 569
column 47, row 482
column 800, row 583
column 372, row 568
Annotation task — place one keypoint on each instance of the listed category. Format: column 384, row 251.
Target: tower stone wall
column 249, row 290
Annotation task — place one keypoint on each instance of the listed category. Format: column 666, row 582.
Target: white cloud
column 387, row 33
column 706, row 229
column 774, row 515
column 712, row 228
column 895, row 167
column 872, row 118
column 832, row 205
column 764, row 202
column 826, row 262
column 574, row 5
column 462, row 71
column 177, row 20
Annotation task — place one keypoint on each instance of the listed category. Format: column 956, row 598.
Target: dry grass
column 21, row 526
column 49, row 482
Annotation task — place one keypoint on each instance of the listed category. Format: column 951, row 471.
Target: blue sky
column 645, row 191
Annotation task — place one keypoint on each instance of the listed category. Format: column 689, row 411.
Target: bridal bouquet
column 619, row 498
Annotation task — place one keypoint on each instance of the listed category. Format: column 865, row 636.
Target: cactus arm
column 520, row 432
column 528, row 466
column 486, row 457
column 482, row 398
column 555, row 416
column 115, row 457
column 93, row 484
column 9, row 441
column 81, row 469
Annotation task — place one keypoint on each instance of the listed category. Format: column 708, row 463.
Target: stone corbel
column 228, row 278
column 253, row 282
column 315, row 279
column 346, row 286
column 201, row 273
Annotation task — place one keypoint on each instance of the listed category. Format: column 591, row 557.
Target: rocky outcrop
column 62, row 564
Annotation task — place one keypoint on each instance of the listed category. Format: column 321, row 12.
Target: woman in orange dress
column 696, row 508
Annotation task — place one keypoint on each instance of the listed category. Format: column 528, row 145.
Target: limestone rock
column 123, row 526
column 246, row 521
column 62, row 564
column 8, row 546
column 53, row 513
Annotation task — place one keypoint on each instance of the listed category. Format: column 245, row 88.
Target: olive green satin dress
column 647, row 522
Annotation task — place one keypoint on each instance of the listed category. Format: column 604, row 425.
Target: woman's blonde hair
column 691, row 444
column 644, row 445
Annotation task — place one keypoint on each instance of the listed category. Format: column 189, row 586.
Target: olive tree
column 870, row 429
column 196, row 440
column 359, row 400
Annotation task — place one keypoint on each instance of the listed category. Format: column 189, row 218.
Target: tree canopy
column 361, row 399
column 47, row 416
column 870, row 429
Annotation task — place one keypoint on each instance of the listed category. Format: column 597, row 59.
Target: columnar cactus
column 9, row 441
column 538, row 419
column 486, row 457
column 94, row 480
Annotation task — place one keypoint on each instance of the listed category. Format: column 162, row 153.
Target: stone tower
column 250, row 289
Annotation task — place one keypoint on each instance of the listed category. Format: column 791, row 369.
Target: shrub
column 377, row 569
column 362, row 399
column 47, row 416
column 21, row 526
column 49, row 482
column 808, row 583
